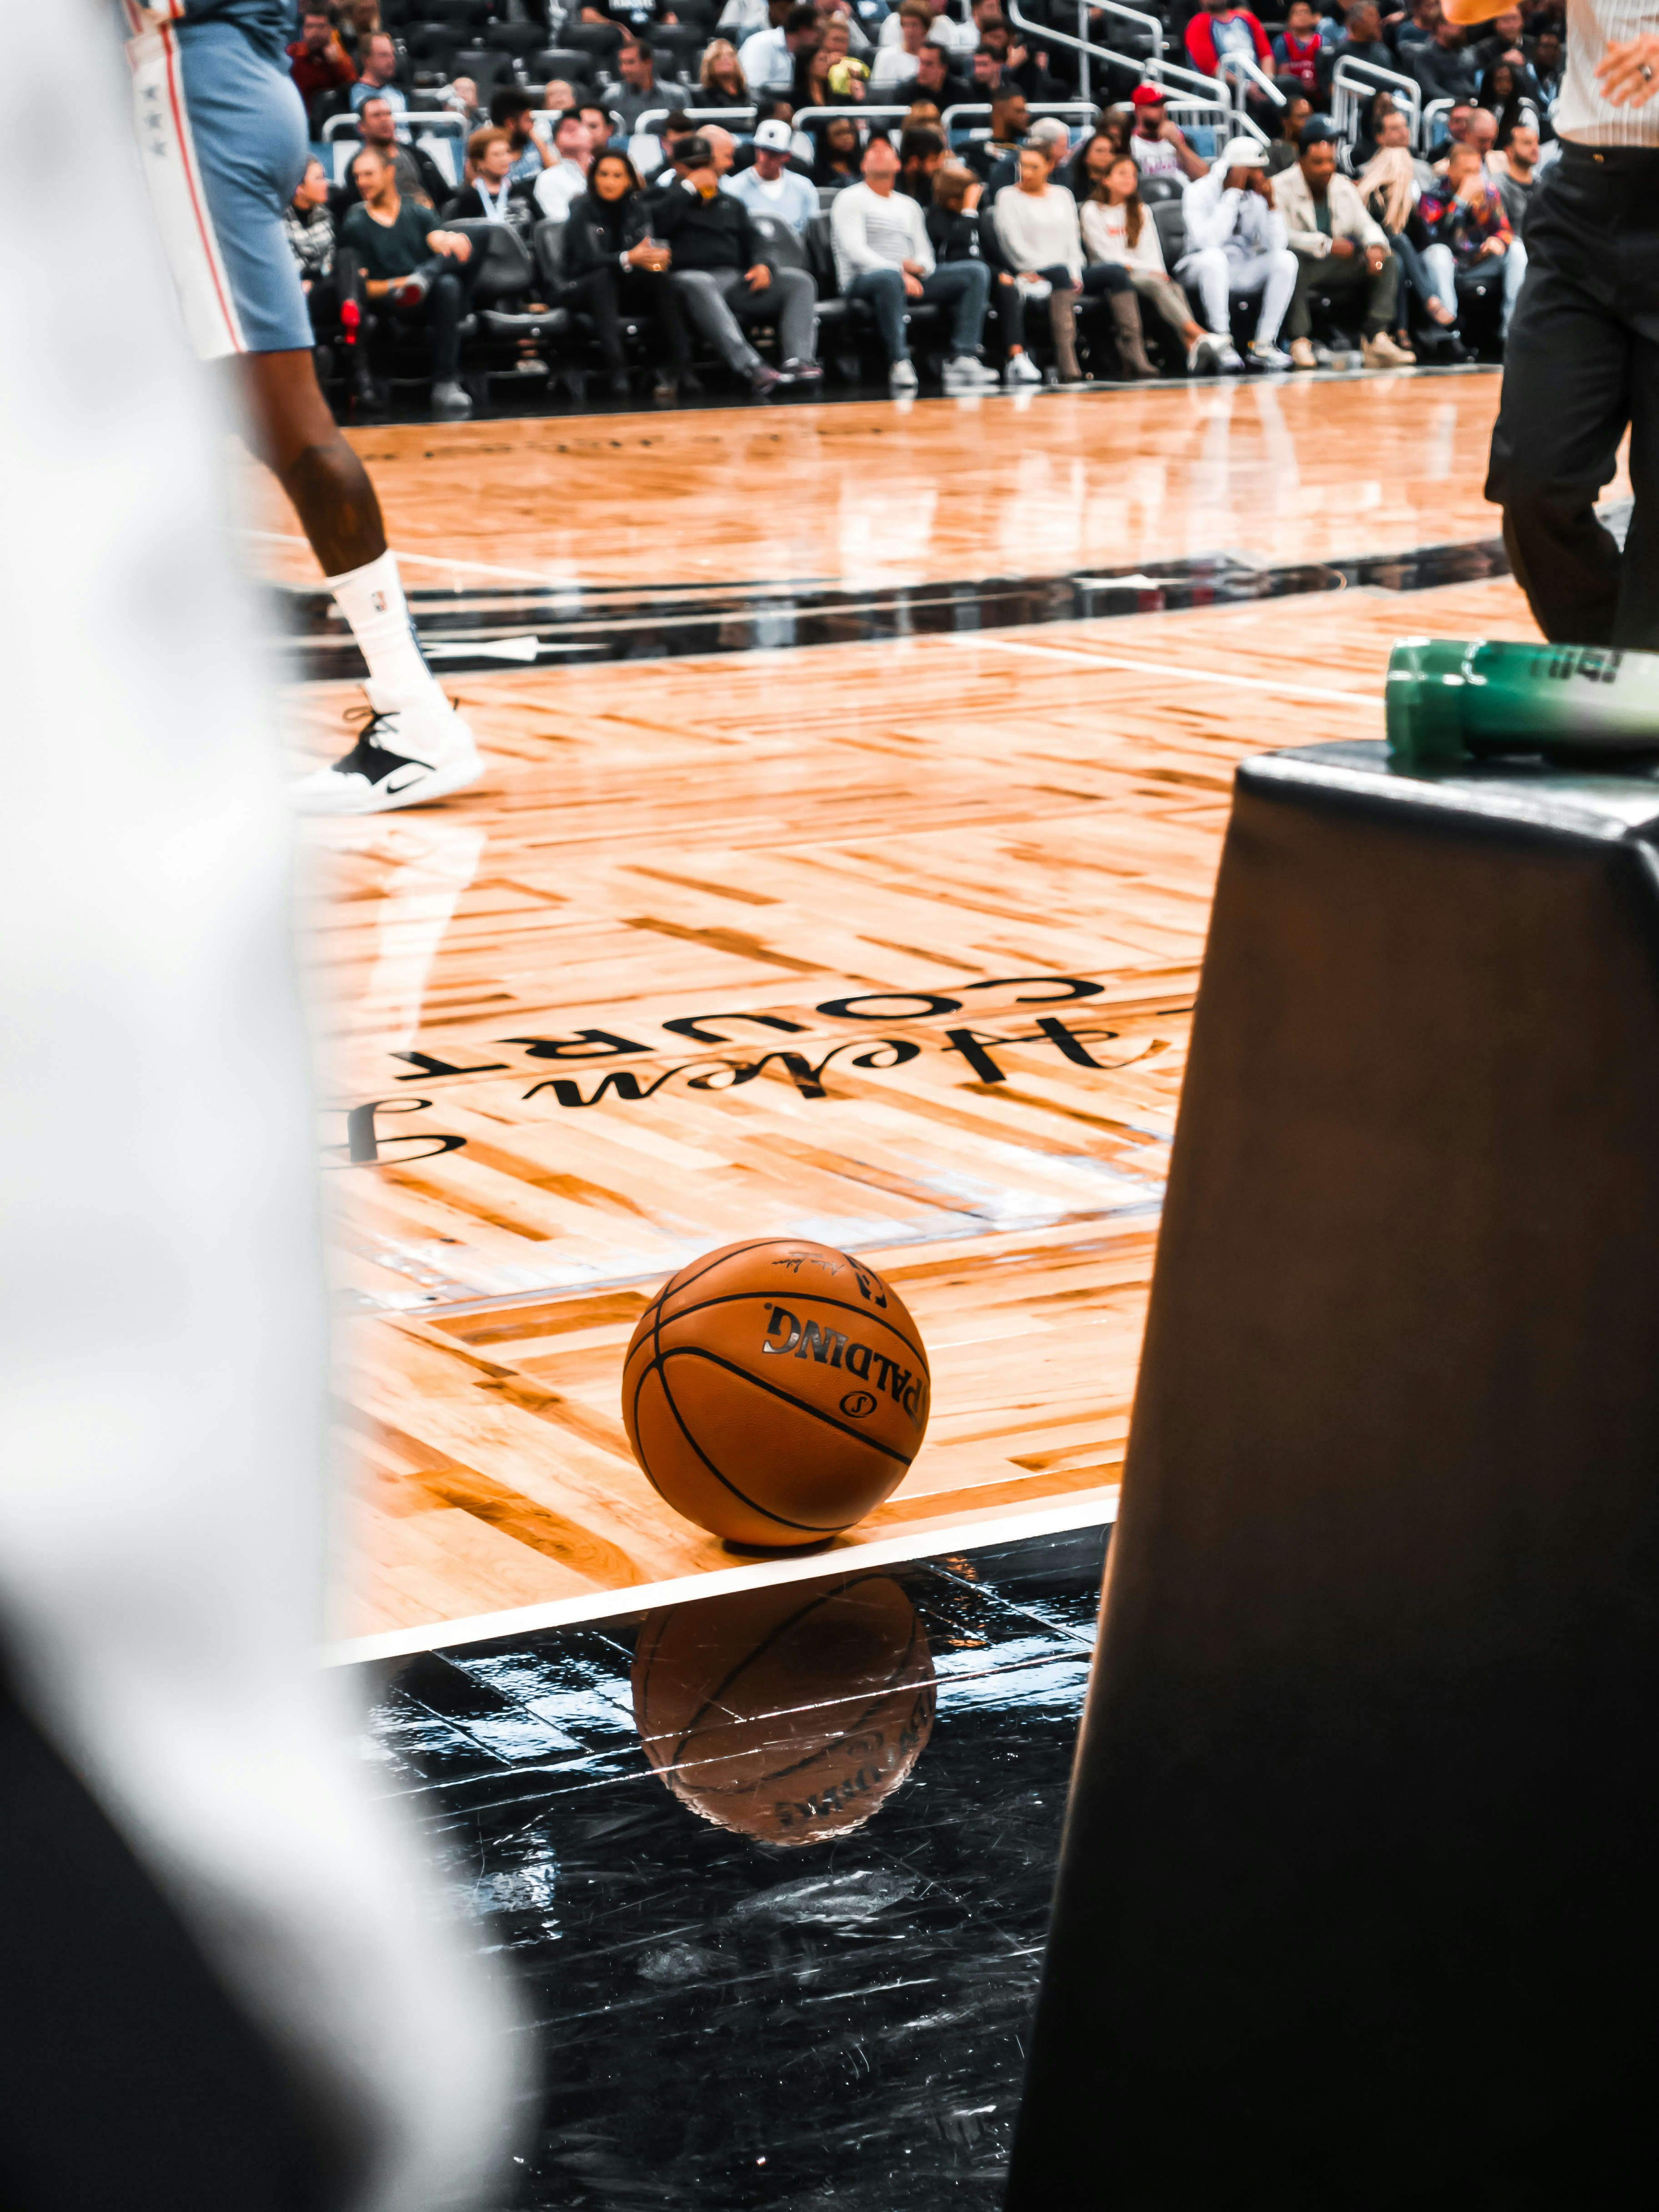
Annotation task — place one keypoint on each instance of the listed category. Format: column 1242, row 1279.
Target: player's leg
column 224, row 138
column 1564, row 405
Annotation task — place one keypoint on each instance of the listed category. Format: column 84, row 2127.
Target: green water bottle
column 1453, row 700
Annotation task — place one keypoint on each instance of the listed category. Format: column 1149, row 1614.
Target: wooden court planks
column 769, row 833
column 1280, row 469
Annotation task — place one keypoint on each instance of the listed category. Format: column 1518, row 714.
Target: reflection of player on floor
column 1580, row 364
column 222, row 135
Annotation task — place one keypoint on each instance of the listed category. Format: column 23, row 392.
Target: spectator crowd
column 652, row 188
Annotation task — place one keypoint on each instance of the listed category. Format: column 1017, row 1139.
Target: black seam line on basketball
column 817, row 1298
column 802, row 1527
column 783, row 1628
column 701, row 1352
column 639, row 1450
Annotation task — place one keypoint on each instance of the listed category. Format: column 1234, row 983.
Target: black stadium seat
column 682, row 45
column 1170, row 222
column 570, row 63
column 484, row 65
column 1153, row 189
column 599, row 40
column 462, row 15
column 432, row 47
column 519, row 40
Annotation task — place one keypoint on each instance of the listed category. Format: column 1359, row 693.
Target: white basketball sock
column 371, row 600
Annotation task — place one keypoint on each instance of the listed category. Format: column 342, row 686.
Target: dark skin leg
column 288, row 426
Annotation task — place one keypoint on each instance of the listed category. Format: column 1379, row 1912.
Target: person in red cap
column 1159, row 149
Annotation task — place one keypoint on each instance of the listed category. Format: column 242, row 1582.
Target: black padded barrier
column 1356, row 1899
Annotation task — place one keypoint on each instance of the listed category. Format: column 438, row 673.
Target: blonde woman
column 1119, row 233
column 721, row 81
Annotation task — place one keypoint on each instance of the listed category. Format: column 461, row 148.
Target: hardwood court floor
column 1290, row 469
column 588, row 1020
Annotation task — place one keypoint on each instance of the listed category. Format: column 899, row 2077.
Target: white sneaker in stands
column 967, row 373
column 1020, row 369
column 901, row 376
column 1264, row 354
column 404, row 757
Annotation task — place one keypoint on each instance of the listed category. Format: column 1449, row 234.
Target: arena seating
column 491, row 43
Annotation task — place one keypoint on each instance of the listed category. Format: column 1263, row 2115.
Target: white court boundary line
column 431, row 561
column 639, row 1597
column 1080, row 658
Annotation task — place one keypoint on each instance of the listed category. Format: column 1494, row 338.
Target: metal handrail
column 422, row 125
column 1218, row 114
column 1346, row 91
column 648, row 118
column 1087, row 111
column 804, row 115
column 1235, row 63
column 1431, row 114
column 1149, row 24
column 1155, row 68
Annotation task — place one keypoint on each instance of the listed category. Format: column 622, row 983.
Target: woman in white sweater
column 1036, row 225
column 1119, row 233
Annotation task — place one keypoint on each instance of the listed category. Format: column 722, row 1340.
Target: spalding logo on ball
column 775, row 1392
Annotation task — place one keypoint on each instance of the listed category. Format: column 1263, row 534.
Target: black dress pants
column 1582, row 364
column 607, row 296
column 448, row 302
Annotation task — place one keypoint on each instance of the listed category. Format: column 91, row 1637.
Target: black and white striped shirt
column 1583, row 112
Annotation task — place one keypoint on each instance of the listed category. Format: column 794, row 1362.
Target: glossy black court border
column 728, row 2016
column 489, row 627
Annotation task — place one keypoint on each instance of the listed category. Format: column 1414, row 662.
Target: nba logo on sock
column 378, row 602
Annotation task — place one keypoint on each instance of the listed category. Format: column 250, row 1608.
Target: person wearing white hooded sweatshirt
column 1235, row 243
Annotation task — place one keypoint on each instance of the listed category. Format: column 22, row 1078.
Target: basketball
column 788, row 1714
column 775, row 1392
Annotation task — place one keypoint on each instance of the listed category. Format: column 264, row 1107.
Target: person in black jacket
column 614, row 267
column 721, row 272
column 960, row 229
column 489, row 193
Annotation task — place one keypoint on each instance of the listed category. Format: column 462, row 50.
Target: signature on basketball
column 870, row 1287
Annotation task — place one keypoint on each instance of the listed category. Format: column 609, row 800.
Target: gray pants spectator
column 716, row 301
column 963, row 286
column 1347, row 273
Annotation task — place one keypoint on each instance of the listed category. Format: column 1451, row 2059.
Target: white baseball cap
column 777, row 136
column 1242, row 154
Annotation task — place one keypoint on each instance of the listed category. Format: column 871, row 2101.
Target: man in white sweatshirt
column 883, row 257
column 1235, row 243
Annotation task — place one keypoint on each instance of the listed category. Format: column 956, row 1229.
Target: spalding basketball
column 774, row 1393
column 788, row 1714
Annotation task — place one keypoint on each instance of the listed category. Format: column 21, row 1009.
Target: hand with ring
column 1626, row 70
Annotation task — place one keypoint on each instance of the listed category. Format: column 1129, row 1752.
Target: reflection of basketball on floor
column 775, row 1392
column 791, row 1713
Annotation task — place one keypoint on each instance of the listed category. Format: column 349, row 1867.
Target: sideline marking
column 1081, row 659
column 1090, row 1510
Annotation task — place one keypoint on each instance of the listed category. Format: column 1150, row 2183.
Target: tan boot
column 1302, row 353
column 1382, row 352
column 1130, row 343
column 1062, row 322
